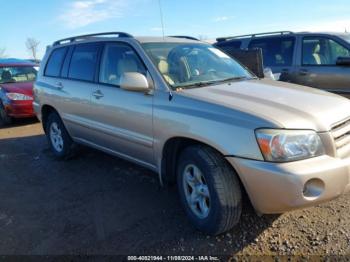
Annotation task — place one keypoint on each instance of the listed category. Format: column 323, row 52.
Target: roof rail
column 221, row 39
column 81, row 37
column 185, row 37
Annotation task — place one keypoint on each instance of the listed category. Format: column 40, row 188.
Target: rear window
column 229, row 44
column 276, row 51
column 83, row 62
column 17, row 74
column 53, row 67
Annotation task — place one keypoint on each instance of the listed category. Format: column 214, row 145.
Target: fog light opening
column 313, row 188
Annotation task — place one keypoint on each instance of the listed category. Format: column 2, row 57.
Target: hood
column 287, row 105
column 25, row 88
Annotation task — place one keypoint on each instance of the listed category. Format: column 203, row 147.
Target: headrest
column 6, row 75
column 317, row 49
column 127, row 65
column 163, row 67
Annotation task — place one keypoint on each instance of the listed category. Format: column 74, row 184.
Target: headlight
column 18, row 96
column 288, row 145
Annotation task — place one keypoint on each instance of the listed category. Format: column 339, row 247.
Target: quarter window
column 322, row 51
column 276, row 51
column 54, row 64
column 119, row 59
column 83, row 62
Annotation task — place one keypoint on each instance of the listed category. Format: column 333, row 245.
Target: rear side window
column 54, row 64
column 83, row 62
column 276, row 51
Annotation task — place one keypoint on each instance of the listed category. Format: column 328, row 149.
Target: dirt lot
column 99, row 204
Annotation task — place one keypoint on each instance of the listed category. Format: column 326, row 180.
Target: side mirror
column 343, row 61
column 134, row 81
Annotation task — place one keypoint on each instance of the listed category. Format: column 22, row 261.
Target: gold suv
column 187, row 111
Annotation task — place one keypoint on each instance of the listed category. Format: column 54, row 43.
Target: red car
column 16, row 90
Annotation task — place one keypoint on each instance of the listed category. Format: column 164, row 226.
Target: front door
column 122, row 120
column 318, row 65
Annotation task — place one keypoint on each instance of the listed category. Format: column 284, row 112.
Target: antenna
column 161, row 17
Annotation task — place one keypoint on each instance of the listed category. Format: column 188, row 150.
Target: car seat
column 6, row 77
column 163, row 67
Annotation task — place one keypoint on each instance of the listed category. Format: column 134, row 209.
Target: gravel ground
column 99, row 204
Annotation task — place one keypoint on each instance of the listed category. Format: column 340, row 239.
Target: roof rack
column 81, row 37
column 221, row 39
column 185, row 37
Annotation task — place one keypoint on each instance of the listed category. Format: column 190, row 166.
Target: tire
column 217, row 205
column 58, row 138
column 4, row 118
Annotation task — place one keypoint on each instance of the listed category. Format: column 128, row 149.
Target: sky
column 50, row 20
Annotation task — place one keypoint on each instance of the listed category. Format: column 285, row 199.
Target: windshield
column 194, row 65
column 346, row 37
column 17, row 74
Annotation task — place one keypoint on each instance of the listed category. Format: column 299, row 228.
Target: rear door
column 278, row 54
column 75, row 87
column 318, row 64
column 122, row 120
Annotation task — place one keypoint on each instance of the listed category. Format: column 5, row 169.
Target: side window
column 54, row 64
column 83, row 62
column 322, row 51
column 276, row 51
column 118, row 59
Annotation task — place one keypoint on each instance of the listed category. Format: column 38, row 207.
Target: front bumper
column 280, row 187
column 20, row 109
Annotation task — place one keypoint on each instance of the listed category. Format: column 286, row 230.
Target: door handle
column 59, row 85
column 98, row 94
column 303, row 72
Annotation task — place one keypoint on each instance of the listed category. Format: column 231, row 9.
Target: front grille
column 341, row 136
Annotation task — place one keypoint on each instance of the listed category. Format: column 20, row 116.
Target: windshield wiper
column 207, row 83
column 234, row 79
column 197, row 84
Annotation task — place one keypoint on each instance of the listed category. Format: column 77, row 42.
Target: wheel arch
column 170, row 152
column 46, row 110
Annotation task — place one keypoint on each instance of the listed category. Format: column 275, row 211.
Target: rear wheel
column 209, row 190
column 59, row 140
column 4, row 118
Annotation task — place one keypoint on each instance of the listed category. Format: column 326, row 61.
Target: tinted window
column 322, row 51
column 118, row 59
column 276, row 51
column 229, row 47
column 53, row 67
column 229, row 44
column 83, row 62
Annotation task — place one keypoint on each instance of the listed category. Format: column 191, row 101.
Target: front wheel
column 209, row 190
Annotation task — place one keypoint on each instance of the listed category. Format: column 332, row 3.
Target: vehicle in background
column 320, row 60
column 16, row 89
column 189, row 112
